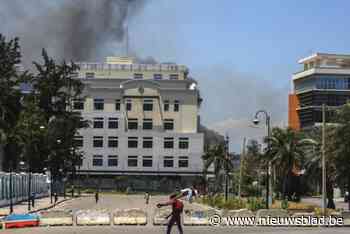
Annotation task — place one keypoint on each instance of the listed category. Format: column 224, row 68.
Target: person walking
column 96, row 196
column 177, row 209
column 147, row 197
column 56, row 198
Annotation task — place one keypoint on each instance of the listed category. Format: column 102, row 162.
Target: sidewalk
column 40, row 204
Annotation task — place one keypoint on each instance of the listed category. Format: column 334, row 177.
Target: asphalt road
column 112, row 202
column 187, row 230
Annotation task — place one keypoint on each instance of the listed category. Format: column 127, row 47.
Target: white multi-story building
column 144, row 119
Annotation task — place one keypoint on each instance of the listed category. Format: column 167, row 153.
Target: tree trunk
column 285, row 190
column 330, row 195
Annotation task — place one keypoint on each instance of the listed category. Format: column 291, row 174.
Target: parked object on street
column 130, row 217
column 56, row 218
column 21, row 220
column 93, row 217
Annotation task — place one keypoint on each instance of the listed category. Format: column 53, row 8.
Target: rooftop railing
column 132, row 67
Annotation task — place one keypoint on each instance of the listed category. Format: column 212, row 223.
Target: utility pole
column 11, row 189
column 226, row 167
column 241, row 167
column 324, row 196
column 268, row 167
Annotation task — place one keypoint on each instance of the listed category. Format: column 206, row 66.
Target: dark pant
column 174, row 219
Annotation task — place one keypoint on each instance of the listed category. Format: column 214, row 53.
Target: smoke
column 79, row 30
column 231, row 99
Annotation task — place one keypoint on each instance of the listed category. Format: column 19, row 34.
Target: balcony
column 321, row 70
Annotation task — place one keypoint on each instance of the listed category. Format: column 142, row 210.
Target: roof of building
column 334, row 58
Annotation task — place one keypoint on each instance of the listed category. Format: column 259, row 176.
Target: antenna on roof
column 127, row 41
column 127, row 33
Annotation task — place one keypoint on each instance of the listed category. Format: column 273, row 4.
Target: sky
column 242, row 52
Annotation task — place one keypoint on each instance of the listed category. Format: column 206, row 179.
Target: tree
column 251, row 168
column 313, row 160
column 286, row 151
column 342, row 145
column 30, row 134
column 216, row 157
column 55, row 88
column 10, row 95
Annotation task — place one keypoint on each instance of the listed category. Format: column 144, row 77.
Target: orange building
column 293, row 116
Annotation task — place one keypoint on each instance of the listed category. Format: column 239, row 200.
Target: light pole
column 241, row 167
column 268, row 169
column 226, row 166
column 11, row 189
column 324, row 191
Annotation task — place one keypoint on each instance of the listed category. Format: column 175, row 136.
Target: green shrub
column 255, row 204
column 235, row 204
column 284, row 204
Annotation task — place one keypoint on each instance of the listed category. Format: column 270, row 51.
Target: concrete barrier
column 93, row 217
column 244, row 213
column 346, row 218
column 305, row 215
column 130, row 217
column 271, row 213
column 264, row 213
column 160, row 216
column 196, row 217
column 56, row 218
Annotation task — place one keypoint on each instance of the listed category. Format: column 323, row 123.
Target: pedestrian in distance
column 56, row 197
column 96, row 196
column 147, row 197
column 32, row 197
column 177, row 209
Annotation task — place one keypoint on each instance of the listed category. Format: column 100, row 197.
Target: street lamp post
column 11, row 190
column 324, row 191
column 226, row 167
column 29, row 187
column 268, row 169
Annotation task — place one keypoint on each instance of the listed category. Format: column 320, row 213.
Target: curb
column 43, row 208
column 50, row 206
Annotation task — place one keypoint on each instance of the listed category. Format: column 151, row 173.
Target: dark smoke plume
column 79, row 30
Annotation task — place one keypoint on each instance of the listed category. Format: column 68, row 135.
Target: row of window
column 333, row 83
column 78, row 104
column 157, row 76
column 147, row 124
column 323, row 82
column 133, row 161
column 133, row 142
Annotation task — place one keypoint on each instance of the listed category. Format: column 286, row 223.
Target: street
column 162, row 229
column 112, row 202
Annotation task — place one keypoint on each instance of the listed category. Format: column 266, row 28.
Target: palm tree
column 286, row 151
column 216, row 157
column 313, row 162
column 342, row 145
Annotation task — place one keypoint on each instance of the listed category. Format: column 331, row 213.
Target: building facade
column 143, row 119
column 325, row 79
